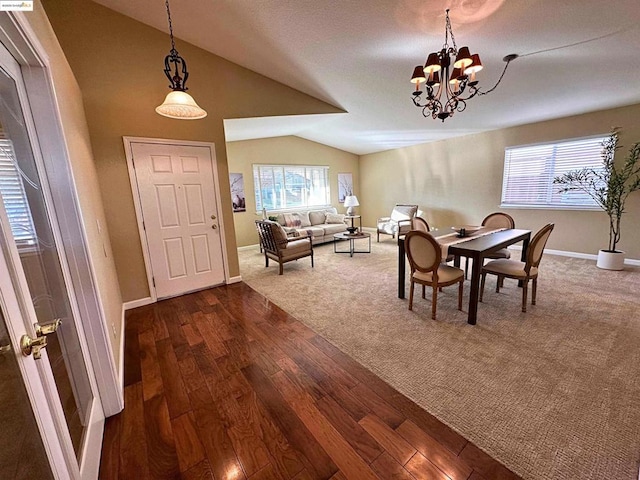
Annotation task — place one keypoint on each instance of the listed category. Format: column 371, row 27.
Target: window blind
column 529, row 172
column 282, row 187
column 14, row 198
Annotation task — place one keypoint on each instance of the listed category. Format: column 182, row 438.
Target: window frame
column 549, row 166
column 258, row 188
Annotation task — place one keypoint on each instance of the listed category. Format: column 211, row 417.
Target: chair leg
column 281, row 268
column 311, row 259
column 434, row 302
column 484, row 277
column 266, row 260
column 525, row 284
column 378, row 233
column 460, row 294
column 498, row 280
column 411, row 295
column 466, row 268
column 534, row 289
column 423, row 291
column 501, row 282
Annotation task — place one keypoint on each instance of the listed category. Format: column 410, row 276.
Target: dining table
column 476, row 247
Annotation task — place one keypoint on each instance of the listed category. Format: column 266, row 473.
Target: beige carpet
column 553, row 393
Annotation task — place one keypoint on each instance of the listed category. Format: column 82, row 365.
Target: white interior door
column 36, row 290
column 180, row 213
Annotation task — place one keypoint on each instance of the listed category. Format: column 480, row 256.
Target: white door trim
column 128, row 141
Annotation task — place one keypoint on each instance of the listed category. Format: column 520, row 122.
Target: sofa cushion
column 292, row 220
column 317, row 217
column 334, row 218
column 331, row 228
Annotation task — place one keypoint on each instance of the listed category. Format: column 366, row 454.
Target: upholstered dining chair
column 399, row 222
column 524, row 271
column 277, row 246
column 492, row 221
column 420, row 224
column 425, row 258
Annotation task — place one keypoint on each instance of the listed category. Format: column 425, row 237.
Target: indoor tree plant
column 609, row 186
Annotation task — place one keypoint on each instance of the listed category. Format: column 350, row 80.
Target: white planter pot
column 610, row 260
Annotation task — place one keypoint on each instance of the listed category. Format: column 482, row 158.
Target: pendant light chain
column 449, row 31
column 173, row 43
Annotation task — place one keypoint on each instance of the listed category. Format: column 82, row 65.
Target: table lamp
column 350, row 202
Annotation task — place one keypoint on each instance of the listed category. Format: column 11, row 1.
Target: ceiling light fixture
column 462, row 80
column 178, row 103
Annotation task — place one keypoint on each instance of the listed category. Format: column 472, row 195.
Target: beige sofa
column 319, row 224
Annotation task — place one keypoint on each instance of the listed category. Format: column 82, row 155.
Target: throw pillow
column 317, row 217
column 334, row 218
column 292, row 220
column 304, row 217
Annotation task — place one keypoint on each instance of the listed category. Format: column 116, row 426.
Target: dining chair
column 420, row 224
column 493, row 221
column 425, row 258
column 524, row 271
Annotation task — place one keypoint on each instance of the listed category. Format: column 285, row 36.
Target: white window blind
column 14, row 198
column 282, row 187
column 529, row 172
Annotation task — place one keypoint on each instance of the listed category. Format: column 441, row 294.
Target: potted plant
column 609, row 186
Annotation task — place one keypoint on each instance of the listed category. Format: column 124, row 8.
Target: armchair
column 399, row 222
column 277, row 246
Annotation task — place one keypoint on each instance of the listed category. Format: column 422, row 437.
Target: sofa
column 320, row 224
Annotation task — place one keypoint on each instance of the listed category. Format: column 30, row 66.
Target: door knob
column 30, row 345
column 214, row 226
column 213, row 217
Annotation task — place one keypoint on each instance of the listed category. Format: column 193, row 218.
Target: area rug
column 553, row 393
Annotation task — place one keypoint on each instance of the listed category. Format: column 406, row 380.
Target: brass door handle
column 34, row 346
column 214, row 226
column 213, row 217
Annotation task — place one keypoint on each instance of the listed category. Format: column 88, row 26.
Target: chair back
column 403, row 212
column 498, row 220
column 270, row 235
column 419, row 223
column 536, row 247
column 423, row 251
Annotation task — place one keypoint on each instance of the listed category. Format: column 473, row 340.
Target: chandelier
column 178, row 103
column 450, row 78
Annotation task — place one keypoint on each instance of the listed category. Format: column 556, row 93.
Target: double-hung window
column 14, row 198
column 529, row 172
column 284, row 187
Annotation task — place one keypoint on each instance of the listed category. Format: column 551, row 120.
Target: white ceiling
column 359, row 55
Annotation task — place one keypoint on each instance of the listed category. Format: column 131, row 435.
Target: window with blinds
column 283, row 187
column 529, row 172
column 15, row 199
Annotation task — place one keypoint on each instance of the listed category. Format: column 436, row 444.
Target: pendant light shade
column 180, row 105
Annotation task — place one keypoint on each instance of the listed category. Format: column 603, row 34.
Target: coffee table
column 338, row 237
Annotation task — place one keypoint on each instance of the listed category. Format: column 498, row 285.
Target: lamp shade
column 418, row 75
column 463, row 60
column 432, row 64
column 180, row 105
column 351, row 201
column 476, row 66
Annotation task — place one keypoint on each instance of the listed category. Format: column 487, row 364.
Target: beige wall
column 76, row 135
column 460, row 181
column 118, row 63
column 283, row 151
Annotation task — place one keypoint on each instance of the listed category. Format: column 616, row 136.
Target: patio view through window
column 281, row 187
column 529, row 172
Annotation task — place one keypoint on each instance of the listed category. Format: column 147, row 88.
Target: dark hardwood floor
column 222, row 384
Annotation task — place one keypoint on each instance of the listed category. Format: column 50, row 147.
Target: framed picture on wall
column 236, row 181
column 345, row 186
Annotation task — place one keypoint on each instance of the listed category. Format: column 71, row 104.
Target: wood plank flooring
column 222, row 384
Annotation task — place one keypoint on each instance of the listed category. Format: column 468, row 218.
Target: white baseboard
column 586, row 256
column 236, row 279
column 141, row 302
column 121, row 362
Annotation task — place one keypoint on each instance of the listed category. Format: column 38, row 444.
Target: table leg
column 401, row 268
column 523, row 257
column 474, row 294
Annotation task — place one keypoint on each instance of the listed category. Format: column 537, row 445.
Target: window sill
column 551, row 207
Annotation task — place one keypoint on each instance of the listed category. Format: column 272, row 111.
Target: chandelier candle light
column 178, row 103
column 446, row 86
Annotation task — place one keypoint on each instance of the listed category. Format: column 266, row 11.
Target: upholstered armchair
column 399, row 222
column 277, row 246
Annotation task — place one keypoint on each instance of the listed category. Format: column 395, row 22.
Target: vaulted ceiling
column 576, row 56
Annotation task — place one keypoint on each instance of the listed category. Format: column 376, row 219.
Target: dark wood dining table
column 476, row 248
